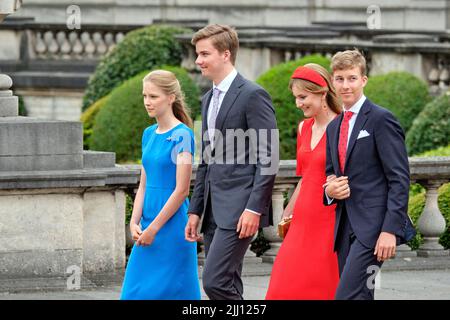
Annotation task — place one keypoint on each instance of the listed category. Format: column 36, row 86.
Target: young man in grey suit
column 239, row 162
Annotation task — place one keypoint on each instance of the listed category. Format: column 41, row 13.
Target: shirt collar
column 357, row 106
column 225, row 84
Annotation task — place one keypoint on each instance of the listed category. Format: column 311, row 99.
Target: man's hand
column 337, row 188
column 248, row 224
column 385, row 247
column 190, row 232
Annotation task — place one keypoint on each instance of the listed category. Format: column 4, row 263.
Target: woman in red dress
column 306, row 266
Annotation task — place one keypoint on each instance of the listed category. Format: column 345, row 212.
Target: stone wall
column 399, row 14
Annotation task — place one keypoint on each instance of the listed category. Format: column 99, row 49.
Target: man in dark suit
column 234, row 181
column 368, row 176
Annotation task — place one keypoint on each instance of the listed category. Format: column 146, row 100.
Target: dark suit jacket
column 242, row 184
column 378, row 173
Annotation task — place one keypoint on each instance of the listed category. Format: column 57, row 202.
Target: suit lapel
column 359, row 124
column 205, row 106
column 228, row 100
column 335, row 143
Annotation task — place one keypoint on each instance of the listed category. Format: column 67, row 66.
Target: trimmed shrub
column 402, row 93
column 88, row 119
column 276, row 82
column 22, row 109
column 431, row 128
column 415, row 209
column 439, row 152
column 120, row 123
column 140, row 50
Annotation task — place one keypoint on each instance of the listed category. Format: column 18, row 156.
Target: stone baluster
column 101, row 47
column 433, row 79
column 9, row 104
column 64, row 45
column 89, row 47
column 271, row 232
column 287, row 56
column 52, row 44
column 77, row 46
column 109, row 41
column 40, row 48
column 431, row 223
column 444, row 79
column 119, row 37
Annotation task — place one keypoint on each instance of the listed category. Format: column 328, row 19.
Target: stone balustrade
column 64, row 44
column 430, row 172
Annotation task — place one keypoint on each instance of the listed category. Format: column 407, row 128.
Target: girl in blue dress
column 162, row 264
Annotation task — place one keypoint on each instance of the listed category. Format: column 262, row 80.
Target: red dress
column 306, row 266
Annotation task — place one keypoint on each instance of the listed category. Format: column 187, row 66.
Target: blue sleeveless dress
column 167, row 269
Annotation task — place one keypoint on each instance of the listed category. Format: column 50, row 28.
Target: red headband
column 308, row 74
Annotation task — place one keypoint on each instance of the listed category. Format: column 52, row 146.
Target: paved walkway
column 394, row 285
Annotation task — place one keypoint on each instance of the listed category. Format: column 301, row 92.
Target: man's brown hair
column 349, row 59
column 223, row 38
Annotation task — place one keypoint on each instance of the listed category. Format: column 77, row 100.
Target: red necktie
column 343, row 137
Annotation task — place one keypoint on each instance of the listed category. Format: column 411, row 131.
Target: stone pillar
column 271, row 232
column 431, row 223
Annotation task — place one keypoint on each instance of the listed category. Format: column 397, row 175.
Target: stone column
column 271, row 232
column 431, row 223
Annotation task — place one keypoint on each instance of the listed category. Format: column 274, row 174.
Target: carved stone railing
column 425, row 55
column 60, row 43
column 430, row 172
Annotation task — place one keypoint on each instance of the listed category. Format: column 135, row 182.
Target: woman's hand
column 135, row 231
column 286, row 215
column 146, row 237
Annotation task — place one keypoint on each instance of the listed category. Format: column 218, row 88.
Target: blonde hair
column 332, row 99
column 349, row 59
column 223, row 38
column 169, row 84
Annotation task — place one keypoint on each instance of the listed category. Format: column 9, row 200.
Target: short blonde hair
column 223, row 38
column 349, row 59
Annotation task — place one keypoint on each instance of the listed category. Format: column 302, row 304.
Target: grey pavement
column 393, row 285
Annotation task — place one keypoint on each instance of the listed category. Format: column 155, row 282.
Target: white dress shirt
column 355, row 109
column 224, row 86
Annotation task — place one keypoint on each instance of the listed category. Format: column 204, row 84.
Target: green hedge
column 415, row 209
column 120, row 122
column 276, row 82
column 439, row 152
column 88, row 119
column 140, row 50
column 431, row 128
column 401, row 92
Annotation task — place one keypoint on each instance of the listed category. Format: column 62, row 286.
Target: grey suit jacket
column 227, row 173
